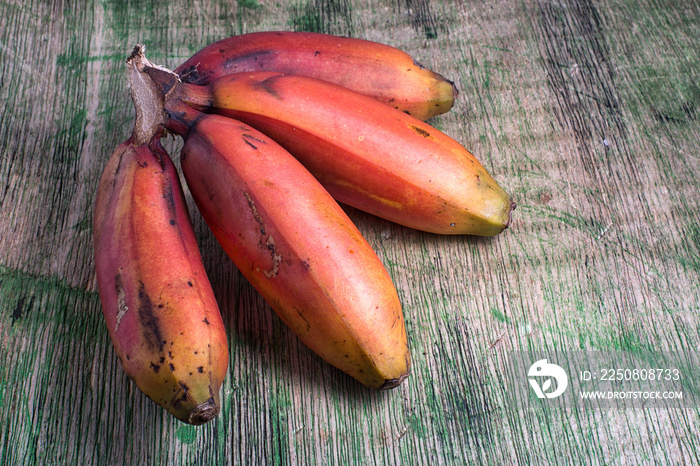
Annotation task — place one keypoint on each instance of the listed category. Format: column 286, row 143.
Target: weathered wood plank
column 587, row 112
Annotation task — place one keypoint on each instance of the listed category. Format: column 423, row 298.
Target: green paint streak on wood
column 56, row 318
column 186, row 434
column 280, row 404
column 500, row 316
column 250, row 4
column 71, row 59
column 635, row 247
column 416, row 422
column 21, row 291
column 324, row 16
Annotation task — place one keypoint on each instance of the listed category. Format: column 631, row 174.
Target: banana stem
column 148, row 100
column 198, row 97
column 161, row 99
column 181, row 117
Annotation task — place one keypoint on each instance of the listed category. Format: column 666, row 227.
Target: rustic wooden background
column 587, row 112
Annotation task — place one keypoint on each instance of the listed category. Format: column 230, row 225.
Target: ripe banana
column 366, row 154
column 380, row 71
column 295, row 244
column 157, row 301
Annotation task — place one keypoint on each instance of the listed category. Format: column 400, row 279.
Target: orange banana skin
column 366, row 154
column 377, row 70
column 157, row 302
column 297, row 247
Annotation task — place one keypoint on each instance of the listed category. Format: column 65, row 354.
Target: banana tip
column 393, row 383
column 203, row 413
column 455, row 91
column 513, row 205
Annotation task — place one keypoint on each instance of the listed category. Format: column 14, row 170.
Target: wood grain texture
column 586, row 112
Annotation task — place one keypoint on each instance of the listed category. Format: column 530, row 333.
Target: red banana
column 157, row 301
column 366, row 154
column 295, row 244
column 377, row 70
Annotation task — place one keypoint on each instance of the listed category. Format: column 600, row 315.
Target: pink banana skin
column 295, row 244
column 157, row 302
column 366, row 154
column 380, row 71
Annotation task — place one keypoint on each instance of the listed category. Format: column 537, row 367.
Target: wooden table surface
column 586, row 112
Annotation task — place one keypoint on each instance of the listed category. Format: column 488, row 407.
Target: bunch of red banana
column 278, row 127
